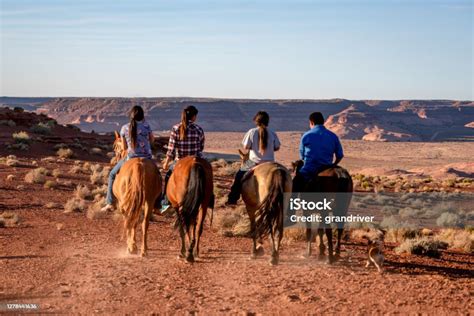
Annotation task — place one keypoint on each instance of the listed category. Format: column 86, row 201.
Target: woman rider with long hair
column 262, row 143
column 186, row 139
column 136, row 137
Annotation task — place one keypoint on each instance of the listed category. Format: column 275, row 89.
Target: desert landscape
column 60, row 251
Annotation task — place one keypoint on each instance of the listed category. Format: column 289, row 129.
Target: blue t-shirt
column 142, row 148
column 317, row 149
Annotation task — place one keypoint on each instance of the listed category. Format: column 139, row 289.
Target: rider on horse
column 262, row 144
column 136, row 137
column 186, row 139
column 318, row 147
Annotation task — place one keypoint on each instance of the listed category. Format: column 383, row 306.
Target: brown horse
column 331, row 181
column 263, row 191
column 190, row 192
column 136, row 188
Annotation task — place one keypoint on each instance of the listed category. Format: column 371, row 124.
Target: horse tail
column 194, row 196
column 134, row 198
column 270, row 212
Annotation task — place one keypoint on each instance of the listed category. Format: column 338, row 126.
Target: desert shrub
column 96, row 151
column 8, row 123
column 228, row 170
column 231, row 222
column 12, row 162
column 9, row 219
column 83, row 192
column 41, row 128
column 219, row 163
column 43, row 171
column 457, row 239
column 10, row 177
column 65, row 153
column 75, row 169
column 50, row 184
column 449, row 220
column 74, row 205
column 68, row 183
column 398, row 235
column 242, row 227
column 390, row 222
column 100, row 177
column 86, row 167
column 21, row 137
column 450, row 183
column 52, row 205
column 102, row 191
column 95, row 168
column 294, row 234
column 48, row 159
column 56, row 173
column 94, row 210
column 424, row 246
column 389, row 209
column 18, row 109
column 19, row 146
column 35, row 176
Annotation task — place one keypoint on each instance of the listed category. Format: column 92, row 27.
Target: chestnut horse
column 332, row 181
column 263, row 191
column 190, row 192
column 136, row 188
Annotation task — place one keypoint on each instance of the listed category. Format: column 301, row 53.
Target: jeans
column 165, row 200
column 112, row 175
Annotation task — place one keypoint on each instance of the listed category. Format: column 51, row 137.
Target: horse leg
column 322, row 247
column 309, row 239
column 133, row 239
column 340, row 231
column 200, row 225
column 274, row 257
column 330, row 245
column 192, row 237
column 183, row 242
column 145, row 223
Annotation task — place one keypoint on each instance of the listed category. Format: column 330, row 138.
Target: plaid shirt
column 193, row 145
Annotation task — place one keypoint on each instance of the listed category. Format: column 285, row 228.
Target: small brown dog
column 375, row 250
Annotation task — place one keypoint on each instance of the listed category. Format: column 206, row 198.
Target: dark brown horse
column 190, row 192
column 331, row 181
column 263, row 191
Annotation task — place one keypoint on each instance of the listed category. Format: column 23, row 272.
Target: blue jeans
column 112, row 175
column 164, row 200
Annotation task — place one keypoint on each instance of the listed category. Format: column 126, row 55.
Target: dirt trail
column 82, row 268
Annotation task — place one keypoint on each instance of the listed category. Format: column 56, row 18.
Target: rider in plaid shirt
column 186, row 139
column 192, row 145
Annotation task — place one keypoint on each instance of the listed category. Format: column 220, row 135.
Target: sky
column 277, row 49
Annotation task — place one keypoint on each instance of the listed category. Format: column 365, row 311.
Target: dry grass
column 94, row 210
column 74, row 205
column 228, row 170
column 10, row 177
column 56, row 173
column 50, row 184
column 35, row 176
column 458, row 239
column 100, row 177
column 52, row 205
column 294, row 234
column 12, row 162
column 232, row 222
column 9, row 219
column 65, row 153
column 21, row 137
column 75, row 169
column 82, row 192
column 424, row 246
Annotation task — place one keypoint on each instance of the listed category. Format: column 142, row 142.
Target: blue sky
column 238, row 49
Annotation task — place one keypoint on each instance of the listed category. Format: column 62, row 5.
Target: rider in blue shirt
column 318, row 147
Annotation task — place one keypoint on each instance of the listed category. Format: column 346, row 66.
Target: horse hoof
column 190, row 259
column 260, row 251
column 274, row 261
column 321, row 257
column 143, row 254
column 330, row 260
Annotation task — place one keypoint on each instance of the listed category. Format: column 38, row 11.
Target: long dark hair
column 136, row 114
column 188, row 113
column 262, row 119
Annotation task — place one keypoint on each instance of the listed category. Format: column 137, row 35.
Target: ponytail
column 262, row 119
column 136, row 114
column 188, row 113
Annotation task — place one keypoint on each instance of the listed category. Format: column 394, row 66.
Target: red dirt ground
column 70, row 264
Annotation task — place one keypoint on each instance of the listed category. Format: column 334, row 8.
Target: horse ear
column 117, row 135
